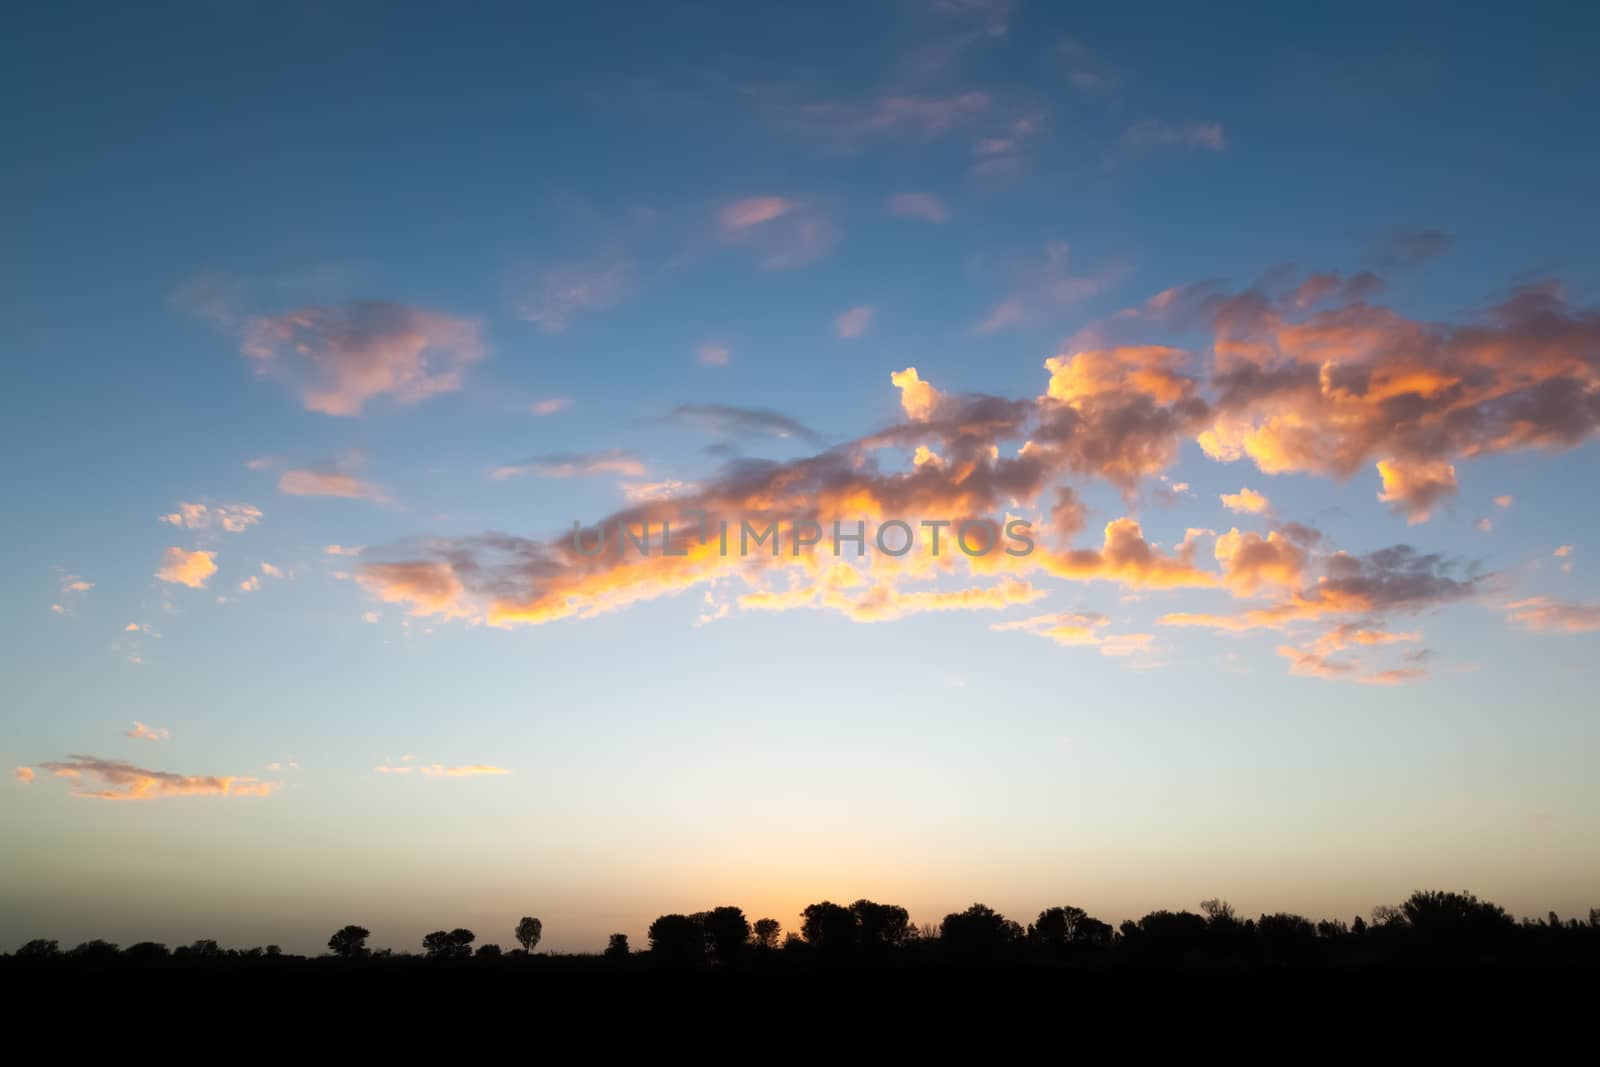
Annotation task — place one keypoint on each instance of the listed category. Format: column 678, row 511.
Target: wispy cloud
column 853, row 323
column 713, row 355
column 783, row 233
column 141, row 732
column 924, row 206
column 554, row 296
column 550, row 405
column 1046, row 288
column 105, row 779
column 1544, row 615
column 328, row 482
column 574, row 465
column 438, row 770
column 741, row 422
column 1153, row 133
column 1410, row 248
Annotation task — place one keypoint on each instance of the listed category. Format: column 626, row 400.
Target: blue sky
column 319, row 271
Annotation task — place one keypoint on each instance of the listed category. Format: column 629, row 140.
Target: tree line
column 1430, row 926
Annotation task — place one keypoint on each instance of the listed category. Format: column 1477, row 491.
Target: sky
column 327, row 322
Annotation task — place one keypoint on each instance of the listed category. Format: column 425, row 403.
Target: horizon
column 336, row 331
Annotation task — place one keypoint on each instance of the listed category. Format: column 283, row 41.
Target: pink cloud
column 924, row 206
column 340, row 358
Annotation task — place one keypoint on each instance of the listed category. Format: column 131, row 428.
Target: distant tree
column 349, row 942
column 980, row 930
column 617, row 947
column 1386, row 917
column 1434, row 909
column 726, row 932
column 1358, row 926
column 147, row 952
column 766, row 933
column 1286, row 935
column 828, row 926
column 95, row 951
column 204, row 949
column 273, row 951
column 1218, row 912
column 39, row 949
column 488, row 952
column 1169, row 935
column 677, row 939
column 454, row 945
column 881, row 926
column 529, row 930
column 1456, row 924
column 1091, row 931
column 1057, row 926
column 1594, row 917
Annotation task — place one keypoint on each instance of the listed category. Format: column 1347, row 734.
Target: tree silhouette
column 677, row 939
column 454, row 945
column 617, row 947
column 1056, row 927
column 726, row 932
column 828, row 926
column 349, row 942
column 39, row 949
column 95, row 951
column 1430, row 927
column 978, row 931
column 147, row 952
column 766, row 933
column 529, row 930
column 881, row 926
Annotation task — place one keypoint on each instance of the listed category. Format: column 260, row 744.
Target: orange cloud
column 550, row 405
column 234, row 518
column 1359, row 384
column 919, row 398
column 23, row 774
column 432, row 588
column 1079, row 628
column 1415, row 488
column 124, row 781
column 1311, row 664
column 1246, row 501
column 141, row 732
column 181, row 567
column 1250, row 560
column 1125, row 556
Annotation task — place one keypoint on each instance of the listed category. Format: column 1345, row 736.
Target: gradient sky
column 325, row 322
